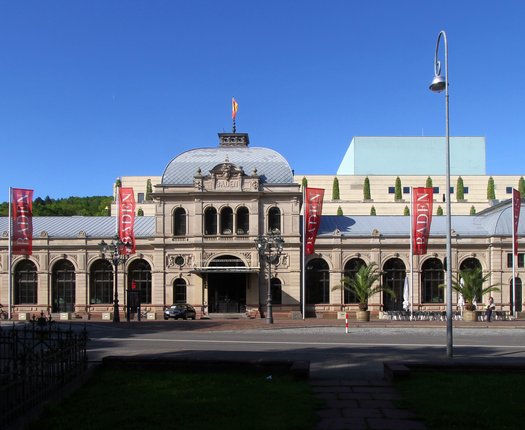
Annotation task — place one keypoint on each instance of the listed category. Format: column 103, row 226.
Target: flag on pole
column 313, row 207
column 22, row 221
column 126, row 218
column 516, row 206
column 235, row 108
column 421, row 218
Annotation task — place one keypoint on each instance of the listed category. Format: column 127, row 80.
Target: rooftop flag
column 235, row 108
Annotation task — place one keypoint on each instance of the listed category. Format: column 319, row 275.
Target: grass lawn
column 133, row 399
column 451, row 400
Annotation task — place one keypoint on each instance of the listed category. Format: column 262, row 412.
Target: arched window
column 210, row 221
column 179, row 291
column 63, row 287
column 140, row 272
column 274, row 220
column 432, row 275
column 179, row 222
column 25, row 283
column 226, row 220
column 277, row 293
column 470, row 264
column 394, row 278
column 101, row 282
column 317, row 282
column 243, row 220
column 351, row 268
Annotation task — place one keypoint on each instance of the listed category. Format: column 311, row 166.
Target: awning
column 225, row 269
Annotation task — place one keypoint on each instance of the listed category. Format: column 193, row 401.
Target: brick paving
column 360, row 405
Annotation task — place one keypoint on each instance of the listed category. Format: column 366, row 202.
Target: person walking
column 490, row 307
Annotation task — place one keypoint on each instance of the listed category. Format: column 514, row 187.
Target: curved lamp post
column 269, row 248
column 116, row 252
column 440, row 83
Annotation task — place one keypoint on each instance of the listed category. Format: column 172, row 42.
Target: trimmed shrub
column 372, row 211
column 491, row 193
column 460, row 189
column 335, row 189
column 366, row 189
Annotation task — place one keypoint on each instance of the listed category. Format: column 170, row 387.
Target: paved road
column 332, row 352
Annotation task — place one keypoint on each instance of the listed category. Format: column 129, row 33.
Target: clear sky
column 95, row 89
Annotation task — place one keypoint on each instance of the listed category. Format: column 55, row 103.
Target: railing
column 442, row 316
column 35, row 360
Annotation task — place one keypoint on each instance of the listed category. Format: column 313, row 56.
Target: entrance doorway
column 227, row 293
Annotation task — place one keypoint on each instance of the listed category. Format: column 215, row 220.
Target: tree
column 140, row 212
column 406, row 211
column 439, row 211
column 335, row 189
column 149, row 190
column 339, row 211
column 366, row 189
column 470, row 285
column 364, row 284
column 491, row 193
column 304, row 182
column 460, row 189
column 428, row 184
column 521, row 187
column 472, row 210
column 398, row 191
column 372, row 211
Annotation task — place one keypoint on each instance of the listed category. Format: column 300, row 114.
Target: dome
column 271, row 166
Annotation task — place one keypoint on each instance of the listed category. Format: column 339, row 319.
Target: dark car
column 177, row 311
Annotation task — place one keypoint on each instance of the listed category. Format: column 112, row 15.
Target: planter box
column 107, row 316
column 151, row 316
column 65, row 316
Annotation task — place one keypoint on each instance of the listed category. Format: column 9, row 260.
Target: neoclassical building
column 196, row 244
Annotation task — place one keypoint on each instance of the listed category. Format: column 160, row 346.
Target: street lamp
column 440, row 83
column 116, row 252
column 269, row 248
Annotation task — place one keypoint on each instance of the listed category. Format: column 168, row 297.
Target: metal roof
column 91, row 226
column 271, row 166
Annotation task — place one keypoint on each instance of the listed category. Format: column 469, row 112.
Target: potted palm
column 470, row 286
column 364, row 285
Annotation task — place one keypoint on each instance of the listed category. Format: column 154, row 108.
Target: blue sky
column 93, row 90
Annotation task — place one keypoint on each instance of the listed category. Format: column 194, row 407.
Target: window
column 63, row 287
column 210, row 221
column 391, row 190
column 101, row 282
column 436, row 190
column 139, row 272
column 226, row 220
column 274, row 220
column 317, row 282
column 452, row 190
column 351, row 269
column 432, row 276
column 519, row 261
column 140, row 197
column 277, row 293
column 465, row 190
column 394, row 273
column 508, row 190
column 179, row 291
column 25, row 283
column 243, row 221
column 179, row 222
column 406, row 190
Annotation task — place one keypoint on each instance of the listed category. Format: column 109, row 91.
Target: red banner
column 127, row 218
column 22, row 218
column 312, row 216
column 516, row 206
column 422, row 199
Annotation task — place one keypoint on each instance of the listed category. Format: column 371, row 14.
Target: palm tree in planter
column 470, row 286
column 364, row 284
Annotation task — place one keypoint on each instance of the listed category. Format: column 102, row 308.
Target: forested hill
column 86, row 206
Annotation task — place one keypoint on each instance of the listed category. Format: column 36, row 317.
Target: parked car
column 178, row 310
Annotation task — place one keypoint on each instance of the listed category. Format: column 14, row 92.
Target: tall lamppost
column 269, row 248
column 116, row 252
column 440, row 83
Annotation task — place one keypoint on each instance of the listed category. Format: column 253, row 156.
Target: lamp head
column 439, row 83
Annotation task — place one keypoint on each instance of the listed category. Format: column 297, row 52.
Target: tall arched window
column 277, row 291
column 210, row 221
column 274, row 220
column 351, row 268
column 432, row 276
column 140, row 272
column 226, row 220
column 394, row 278
column 25, row 288
column 243, row 220
column 101, row 282
column 179, row 291
column 63, row 287
column 179, row 222
column 317, row 282
column 470, row 264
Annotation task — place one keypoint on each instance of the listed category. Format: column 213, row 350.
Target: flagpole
column 410, row 287
column 10, row 258
column 303, row 255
